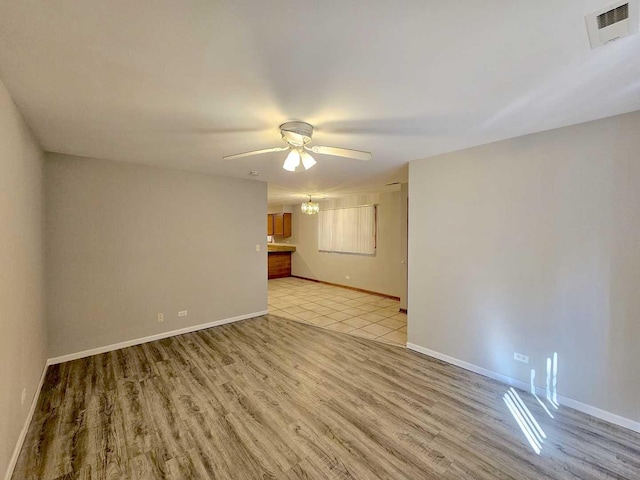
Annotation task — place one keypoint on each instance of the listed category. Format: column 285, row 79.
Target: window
column 348, row 230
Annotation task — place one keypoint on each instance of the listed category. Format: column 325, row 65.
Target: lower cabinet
column 279, row 264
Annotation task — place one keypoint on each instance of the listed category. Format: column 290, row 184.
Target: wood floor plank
column 272, row 398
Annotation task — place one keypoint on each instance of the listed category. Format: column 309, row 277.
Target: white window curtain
column 348, row 230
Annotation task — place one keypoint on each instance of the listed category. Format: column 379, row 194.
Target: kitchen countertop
column 280, row 247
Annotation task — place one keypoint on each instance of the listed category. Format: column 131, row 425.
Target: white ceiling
column 182, row 83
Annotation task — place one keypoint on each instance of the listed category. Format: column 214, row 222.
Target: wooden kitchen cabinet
column 279, row 224
column 279, row 260
column 270, row 224
column 279, row 264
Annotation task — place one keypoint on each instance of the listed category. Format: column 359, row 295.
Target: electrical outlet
column 348, row 277
column 257, row 247
column 160, row 317
column 520, row 357
column 182, row 313
column 24, row 395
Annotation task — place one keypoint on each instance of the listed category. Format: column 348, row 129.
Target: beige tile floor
column 339, row 309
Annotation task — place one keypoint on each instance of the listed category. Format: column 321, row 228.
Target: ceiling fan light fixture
column 310, row 208
column 292, row 161
column 307, row 160
column 297, row 135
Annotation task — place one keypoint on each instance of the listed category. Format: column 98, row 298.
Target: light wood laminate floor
column 273, row 398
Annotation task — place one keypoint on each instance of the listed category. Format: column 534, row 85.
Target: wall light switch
column 257, row 247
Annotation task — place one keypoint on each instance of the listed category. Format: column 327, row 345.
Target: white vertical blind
column 348, row 230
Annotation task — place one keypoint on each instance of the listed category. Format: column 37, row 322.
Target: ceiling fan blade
column 255, row 152
column 341, row 152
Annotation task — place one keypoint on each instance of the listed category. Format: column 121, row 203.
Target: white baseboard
column 151, row 338
column 569, row 402
column 25, row 428
column 599, row 413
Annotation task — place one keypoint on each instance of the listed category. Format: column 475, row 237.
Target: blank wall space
column 23, row 333
column 532, row 245
column 127, row 242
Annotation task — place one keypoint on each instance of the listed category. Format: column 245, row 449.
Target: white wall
column 382, row 273
column 125, row 242
column 533, row 245
column 22, row 338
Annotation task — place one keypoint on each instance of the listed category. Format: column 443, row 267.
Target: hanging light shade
column 292, row 161
column 310, row 208
column 307, row 160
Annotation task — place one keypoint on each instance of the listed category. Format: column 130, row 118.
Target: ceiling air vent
column 613, row 22
column 613, row 16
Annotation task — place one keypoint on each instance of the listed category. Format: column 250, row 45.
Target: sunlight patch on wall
column 552, row 381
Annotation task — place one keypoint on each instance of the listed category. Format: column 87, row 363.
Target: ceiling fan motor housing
column 296, row 133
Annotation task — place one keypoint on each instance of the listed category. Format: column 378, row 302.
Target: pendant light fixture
column 310, row 208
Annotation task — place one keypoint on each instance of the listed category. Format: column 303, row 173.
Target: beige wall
column 125, row 242
column 22, row 341
column 532, row 245
column 382, row 273
column 280, row 208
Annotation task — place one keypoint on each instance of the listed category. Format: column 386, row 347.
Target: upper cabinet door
column 282, row 224
column 270, row 224
column 278, row 224
column 287, row 225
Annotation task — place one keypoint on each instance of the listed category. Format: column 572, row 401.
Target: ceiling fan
column 298, row 135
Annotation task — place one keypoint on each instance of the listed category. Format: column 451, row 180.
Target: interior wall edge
column 565, row 401
column 25, row 428
column 151, row 338
column 23, row 347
